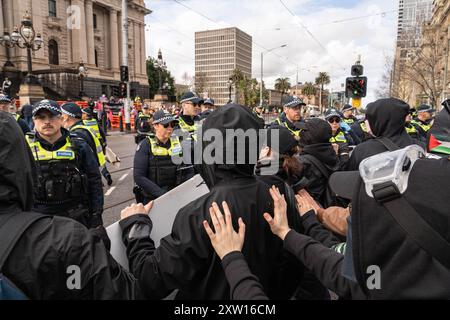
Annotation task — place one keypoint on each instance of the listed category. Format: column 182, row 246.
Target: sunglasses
column 334, row 120
column 170, row 124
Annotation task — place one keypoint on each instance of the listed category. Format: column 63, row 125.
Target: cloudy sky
column 321, row 35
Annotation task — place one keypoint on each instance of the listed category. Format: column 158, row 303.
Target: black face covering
column 17, row 170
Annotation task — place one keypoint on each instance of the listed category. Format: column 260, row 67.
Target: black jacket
column 88, row 165
column 39, row 262
column 316, row 180
column 387, row 119
column 186, row 259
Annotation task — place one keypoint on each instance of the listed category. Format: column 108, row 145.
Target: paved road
column 120, row 193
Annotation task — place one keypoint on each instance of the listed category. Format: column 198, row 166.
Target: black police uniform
column 143, row 126
column 69, row 182
column 154, row 172
column 39, row 261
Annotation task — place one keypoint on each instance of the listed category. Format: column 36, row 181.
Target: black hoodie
column 185, row 259
column 39, row 262
column 386, row 119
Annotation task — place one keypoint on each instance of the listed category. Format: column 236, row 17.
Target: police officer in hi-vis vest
column 68, row 179
column 154, row 171
column 72, row 121
column 291, row 115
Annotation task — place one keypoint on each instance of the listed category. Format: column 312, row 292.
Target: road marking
column 123, row 177
column 109, row 191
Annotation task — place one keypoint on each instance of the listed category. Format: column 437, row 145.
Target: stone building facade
column 75, row 31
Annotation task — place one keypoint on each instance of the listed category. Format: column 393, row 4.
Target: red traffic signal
column 356, row 87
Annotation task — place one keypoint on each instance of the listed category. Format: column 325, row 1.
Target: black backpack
column 12, row 226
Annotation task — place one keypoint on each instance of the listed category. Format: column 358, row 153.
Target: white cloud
column 172, row 26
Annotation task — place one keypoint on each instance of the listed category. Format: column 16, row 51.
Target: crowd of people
column 356, row 208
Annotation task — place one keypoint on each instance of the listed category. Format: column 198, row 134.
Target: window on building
column 52, row 8
column 95, row 21
column 53, row 56
column 96, row 57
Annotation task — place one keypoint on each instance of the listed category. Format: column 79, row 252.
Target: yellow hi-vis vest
column 339, row 138
column 189, row 128
column 94, row 126
column 174, row 150
column 98, row 146
column 425, row 127
column 16, row 116
column 294, row 132
column 66, row 152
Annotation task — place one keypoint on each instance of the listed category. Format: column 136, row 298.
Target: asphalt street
column 120, row 193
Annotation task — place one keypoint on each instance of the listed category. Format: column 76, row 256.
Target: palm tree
column 240, row 84
column 322, row 80
column 309, row 90
column 283, row 85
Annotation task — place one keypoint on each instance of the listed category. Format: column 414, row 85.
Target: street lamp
column 230, row 82
column 24, row 37
column 82, row 72
column 160, row 64
column 260, row 85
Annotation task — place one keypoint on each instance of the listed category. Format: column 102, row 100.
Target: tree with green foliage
column 309, row 90
column 322, row 79
column 153, row 79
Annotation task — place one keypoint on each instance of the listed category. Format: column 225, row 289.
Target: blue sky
column 341, row 30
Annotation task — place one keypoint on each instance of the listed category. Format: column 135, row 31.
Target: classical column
column 79, row 48
column 114, row 39
column 137, row 49
column 90, row 32
column 143, row 51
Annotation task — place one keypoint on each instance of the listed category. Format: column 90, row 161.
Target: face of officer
column 198, row 108
column 293, row 114
column 68, row 121
column 424, row 116
column 47, row 124
column 163, row 131
column 85, row 116
column 335, row 123
column 189, row 109
column 348, row 113
column 5, row 107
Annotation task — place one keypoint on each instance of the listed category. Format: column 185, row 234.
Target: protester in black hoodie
column 39, row 262
column 386, row 118
column 318, row 157
column 438, row 137
column 185, row 259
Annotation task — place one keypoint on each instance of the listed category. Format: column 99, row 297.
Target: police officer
column 68, row 180
column 348, row 117
column 155, row 172
column 72, row 121
column 339, row 137
column 292, row 113
column 423, row 120
column 143, row 123
column 5, row 105
column 189, row 115
column 89, row 119
column 411, row 128
column 207, row 108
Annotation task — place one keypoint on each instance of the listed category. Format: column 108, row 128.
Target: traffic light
column 357, row 70
column 123, row 89
column 124, row 73
column 356, row 87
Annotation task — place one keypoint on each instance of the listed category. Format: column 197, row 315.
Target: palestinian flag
column 439, row 143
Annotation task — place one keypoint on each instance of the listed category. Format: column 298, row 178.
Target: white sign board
column 163, row 214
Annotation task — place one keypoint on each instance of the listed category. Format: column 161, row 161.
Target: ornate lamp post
column 230, row 82
column 82, row 72
column 160, row 65
column 25, row 37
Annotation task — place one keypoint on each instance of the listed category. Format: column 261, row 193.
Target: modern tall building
column 411, row 15
column 217, row 54
column 75, row 31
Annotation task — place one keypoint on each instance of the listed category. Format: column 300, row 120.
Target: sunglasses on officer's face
column 170, row 124
column 334, row 120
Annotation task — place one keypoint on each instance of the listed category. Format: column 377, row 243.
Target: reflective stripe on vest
column 189, row 128
column 174, row 150
column 349, row 120
column 17, row 116
column 425, row 127
column 93, row 124
column 98, row 146
column 294, row 132
column 339, row 138
column 411, row 129
column 66, row 152
column 363, row 127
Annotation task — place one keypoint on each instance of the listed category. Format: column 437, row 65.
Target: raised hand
column 279, row 223
column 225, row 239
column 138, row 208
